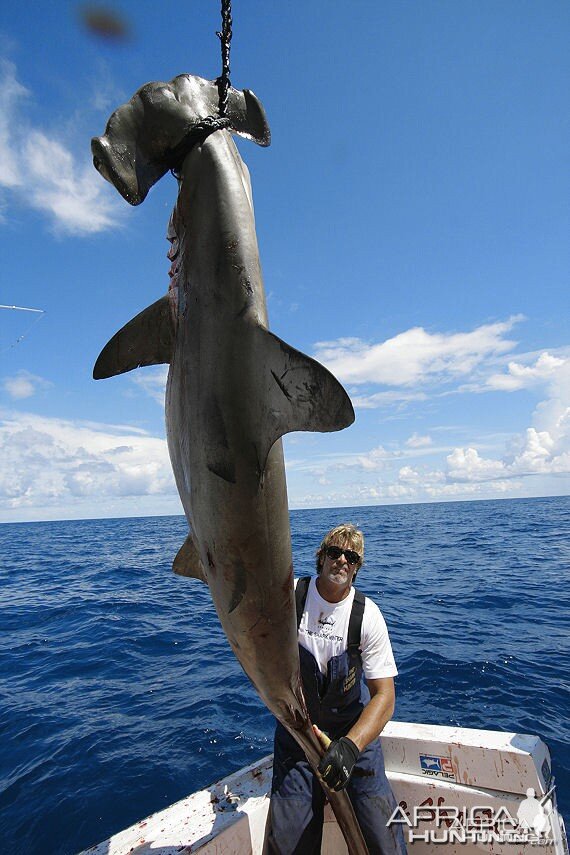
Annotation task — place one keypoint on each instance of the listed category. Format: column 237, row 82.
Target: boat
column 470, row 791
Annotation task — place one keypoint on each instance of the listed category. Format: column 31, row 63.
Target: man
column 348, row 670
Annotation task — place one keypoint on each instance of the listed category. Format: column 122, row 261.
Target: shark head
column 143, row 138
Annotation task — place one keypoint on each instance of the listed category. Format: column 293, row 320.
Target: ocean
column 119, row 694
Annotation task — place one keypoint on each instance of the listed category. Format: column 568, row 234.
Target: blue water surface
column 119, row 694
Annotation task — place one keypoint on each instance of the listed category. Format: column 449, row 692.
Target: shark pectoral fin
column 188, row 562
column 295, row 392
column 148, row 339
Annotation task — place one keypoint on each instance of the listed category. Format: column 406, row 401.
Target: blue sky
column 413, row 220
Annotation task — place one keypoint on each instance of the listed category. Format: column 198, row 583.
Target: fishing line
column 39, row 315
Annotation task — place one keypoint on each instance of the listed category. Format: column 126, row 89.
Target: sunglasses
column 334, row 552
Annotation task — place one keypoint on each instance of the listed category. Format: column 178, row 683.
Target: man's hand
column 337, row 764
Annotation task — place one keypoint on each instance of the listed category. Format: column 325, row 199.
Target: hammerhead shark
column 234, row 388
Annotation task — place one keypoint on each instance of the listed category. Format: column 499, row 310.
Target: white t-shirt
column 323, row 632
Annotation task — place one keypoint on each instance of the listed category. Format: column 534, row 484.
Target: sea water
column 119, row 694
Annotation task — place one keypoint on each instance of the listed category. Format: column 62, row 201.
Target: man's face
column 338, row 571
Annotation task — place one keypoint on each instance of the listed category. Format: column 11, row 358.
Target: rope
column 197, row 133
column 225, row 38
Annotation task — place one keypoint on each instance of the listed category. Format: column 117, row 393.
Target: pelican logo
column 438, row 767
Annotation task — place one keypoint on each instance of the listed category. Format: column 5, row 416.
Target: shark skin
column 233, row 390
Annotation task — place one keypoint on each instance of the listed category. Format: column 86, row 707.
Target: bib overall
column 335, row 701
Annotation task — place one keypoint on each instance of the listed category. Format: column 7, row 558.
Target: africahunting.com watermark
column 478, row 824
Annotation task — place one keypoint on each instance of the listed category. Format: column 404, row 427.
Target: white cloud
column 43, row 173
column 415, row 356
column 11, row 93
column 49, row 462
column 106, row 94
column 534, row 462
column 416, row 441
column 553, row 414
column 23, row 385
column 372, row 461
column 471, row 490
column 152, row 382
column 392, row 399
column 409, row 475
column 525, row 376
column 465, row 464
column 540, row 453
column 432, row 487
column 544, row 447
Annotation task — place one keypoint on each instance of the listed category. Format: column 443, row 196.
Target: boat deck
column 438, row 775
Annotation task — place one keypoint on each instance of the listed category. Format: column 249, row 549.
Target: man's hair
column 346, row 536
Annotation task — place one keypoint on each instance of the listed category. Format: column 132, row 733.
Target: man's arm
column 376, row 714
column 340, row 756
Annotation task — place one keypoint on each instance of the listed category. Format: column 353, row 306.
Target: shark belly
column 238, row 515
column 234, row 494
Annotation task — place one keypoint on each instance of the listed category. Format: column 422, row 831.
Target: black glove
column 338, row 762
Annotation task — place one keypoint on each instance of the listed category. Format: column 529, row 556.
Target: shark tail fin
column 147, row 339
column 294, row 392
column 188, row 562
